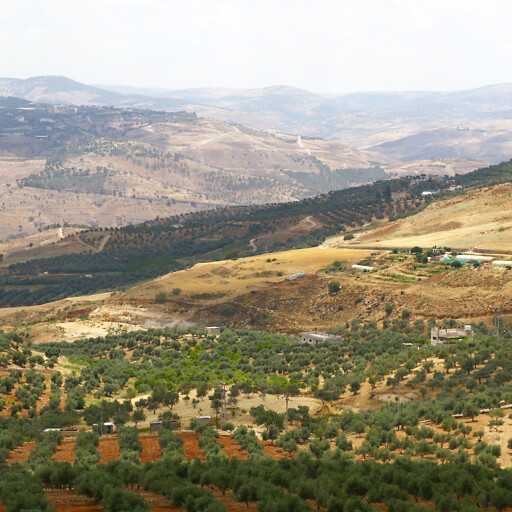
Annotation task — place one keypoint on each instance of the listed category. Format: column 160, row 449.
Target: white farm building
column 315, row 338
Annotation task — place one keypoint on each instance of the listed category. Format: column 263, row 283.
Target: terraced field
column 65, row 500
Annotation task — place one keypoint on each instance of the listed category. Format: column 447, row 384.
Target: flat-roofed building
column 444, row 336
column 315, row 338
column 203, row 420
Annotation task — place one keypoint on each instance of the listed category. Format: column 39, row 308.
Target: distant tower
column 497, row 326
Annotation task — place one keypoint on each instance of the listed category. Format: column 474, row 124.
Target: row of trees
column 330, row 479
column 475, row 374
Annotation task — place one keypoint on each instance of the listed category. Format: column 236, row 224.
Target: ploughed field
column 151, row 452
column 65, row 500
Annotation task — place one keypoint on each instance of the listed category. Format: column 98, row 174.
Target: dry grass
column 231, row 278
column 481, row 218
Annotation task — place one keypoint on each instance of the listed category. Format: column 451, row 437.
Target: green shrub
column 334, row 287
column 160, row 297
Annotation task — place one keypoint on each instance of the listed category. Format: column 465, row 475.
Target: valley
column 252, row 400
column 116, row 168
column 128, row 232
column 223, row 293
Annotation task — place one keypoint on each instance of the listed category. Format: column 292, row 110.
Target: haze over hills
column 59, row 89
column 111, row 167
column 371, row 119
column 265, row 293
column 396, row 123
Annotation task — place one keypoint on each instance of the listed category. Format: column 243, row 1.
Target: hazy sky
column 320, row 45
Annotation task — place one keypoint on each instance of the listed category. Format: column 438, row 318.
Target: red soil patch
column 109, row 449
column 65, row 451
column 68, row 501
column 230, row 502
column 43, row 400
column 10, row 400
column 156, row 502
column 151, row 451
column 274, row 451
column 20, row 453
column 191, row 446
column 231, row 447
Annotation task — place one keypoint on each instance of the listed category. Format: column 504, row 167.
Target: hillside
column 492, row 144
column 256, row 292
column 103, row 260
column 400, row 124
column 253, row 292
column 100, row 260
column 112, row 167
column 366, row 412
column 479, row 219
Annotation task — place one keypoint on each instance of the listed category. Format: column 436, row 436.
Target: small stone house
column 213, row 331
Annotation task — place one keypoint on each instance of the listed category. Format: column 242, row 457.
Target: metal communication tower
column 498, row 326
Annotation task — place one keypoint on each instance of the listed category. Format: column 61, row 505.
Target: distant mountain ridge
column 59, row 89
column 394, row 123
column 498, row 96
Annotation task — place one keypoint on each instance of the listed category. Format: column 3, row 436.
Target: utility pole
column 287, row 399
column 223, row 413
column 101, row 421
column 399, row 402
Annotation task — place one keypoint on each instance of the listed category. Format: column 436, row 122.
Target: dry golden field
column 231, row 278
column 480, row 218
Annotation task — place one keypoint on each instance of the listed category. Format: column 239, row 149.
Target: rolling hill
column 481, row 219
column 102, row 166
column 389, row 122
column 90, row 166
column 105, row 259
column 59, row 89
column 361, row 120
column 241, row 257
column 493, row 144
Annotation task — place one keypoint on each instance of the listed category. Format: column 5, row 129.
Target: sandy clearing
column 78, row 328
column 28, row 314
column 186, row 411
